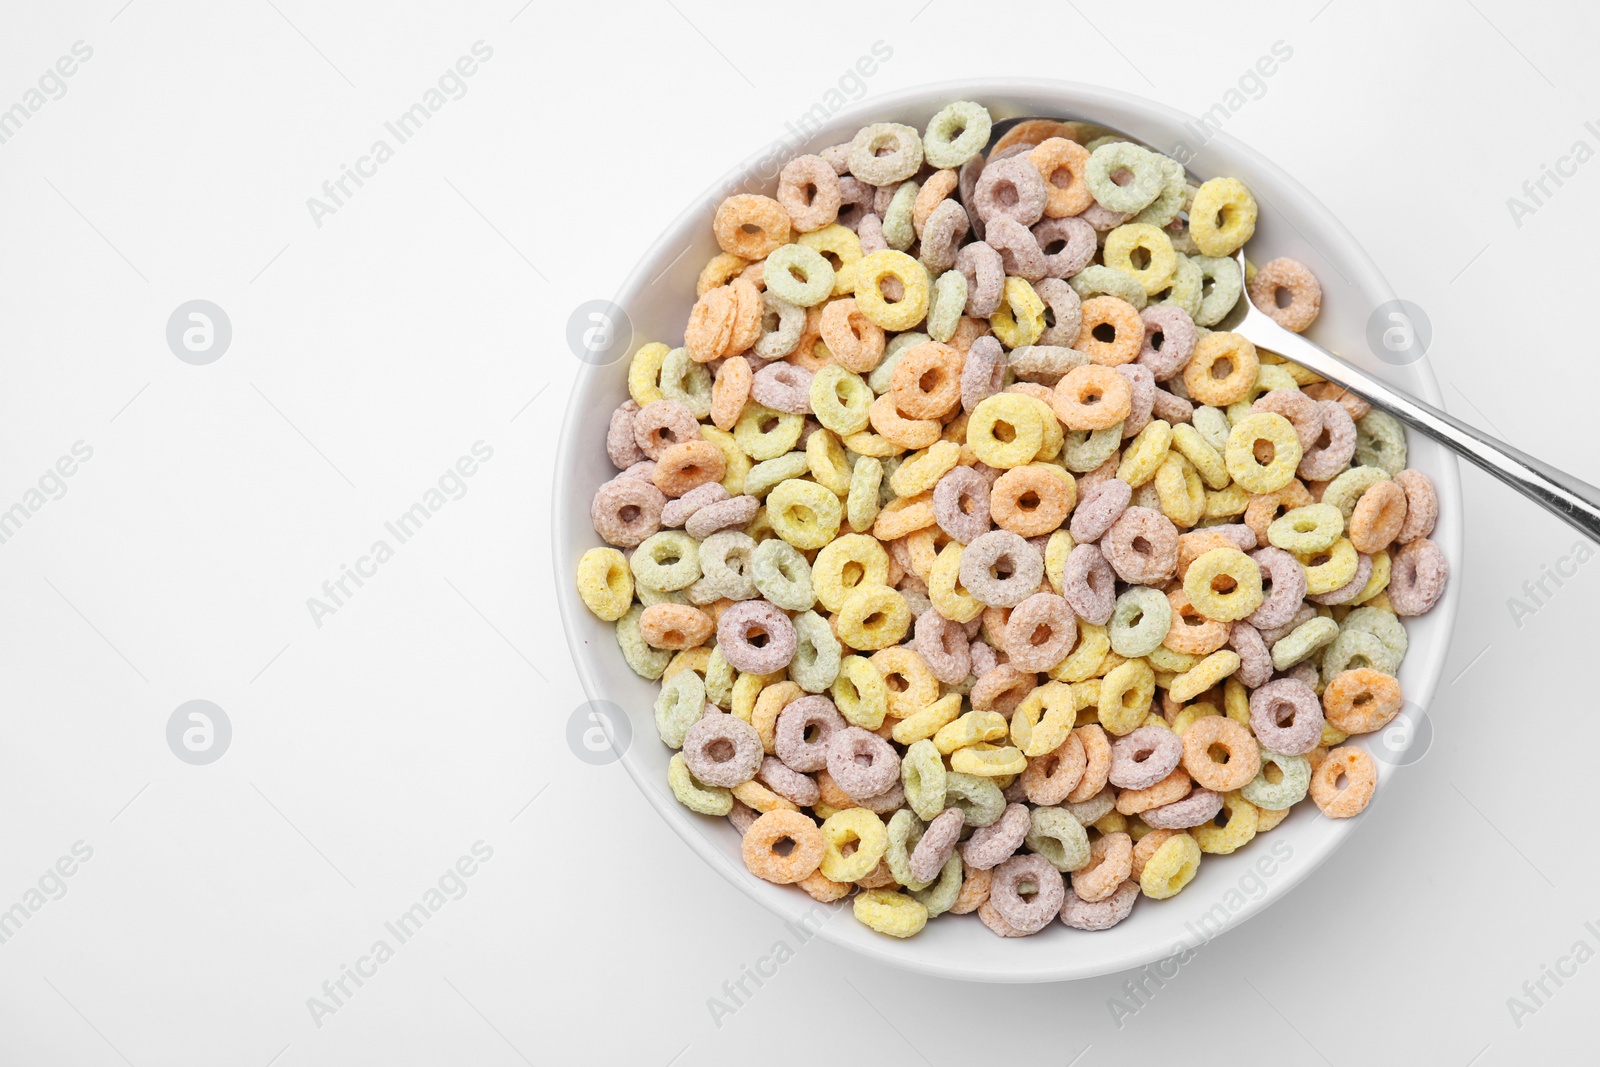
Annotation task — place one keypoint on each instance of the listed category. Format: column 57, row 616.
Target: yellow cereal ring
column 1198, row 451
column 605, row 583
column 873, row 617
column 1236, row 701
column 735, row 463
column 1336, row 568
column 948, row 596
column 911, row 685
column 911, row 308
column 769, row 705
column 860, row 693
column 929, row 721
column 1223, row 584
column 1041, row 723
column 696, row 659
column 753, row 794
column 1217, row 351
column 1125, row 695
column 888, row 912
column 1160, row 259
column 1243, row 818
column 846, row 563
column 972, row 728
column 804, row 513
column 707, row 800
column 1056, row 551
column 1180, row 490
column 644, row 373
column 1173, row 864
column 1222, row 217
column 1170, row 660
column 1093, row 645
column 842, row 250
column 1382, row 566
column 1191, row 712
column 1203, row 675
column 857, row 825
column 1143, row 455
column 1264, row 431
column 988, row 761
column 828, row 462
column 841, row 400
column 1266, row 820
column 919, row 472
column 766, row 434
column 1227, row 502
column 1006, row 430
column 1019, row 320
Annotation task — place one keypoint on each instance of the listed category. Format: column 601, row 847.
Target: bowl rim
column 1086, row 98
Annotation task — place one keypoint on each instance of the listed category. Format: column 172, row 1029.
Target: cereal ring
column 771, row 829
column 1196, row 809
column 1097, row 766
column 1088, row 585
column 1109, row 160
column 1069, row 246
column 1062, row 163
column 1280, row 276
column 1418, row 575
column 927, row 381
column 756, row 637
column 873, row 617
column 1006, row 430
column 1142, row 546
column 1422, row 506
column 901, row 312
column 1159, row 258
column 961, row 504
column 1241, row 755
column 1226, row 285
column 782, row 575
column 1381, row 442
column 1308, row 529
column 1287, row 791
column 1255, row 659
column 1020, row 254
column 1230, row 353
column 1243, row 820
column 1019, row 320
column 1091, row 398
column 1010, row 187
column 884, row 153
column 1190, row 632
column 1141, row 621
column 1286, row 716
column 661, row 424
column 1334, row 447
column 985, row 273
column 722, row 750
column 1032, row 913
column 856, row 826
column 804, row 729
column 604, row 583
column 804, row 513
column 621, row 448
column 674, row 626
column 1263, row 451
column 1361, row 701
column 1110, row 864
column 1040, row 632
column 679, row 706
column 1101, row 914
column 1169, row 790
column 1360, row 775
column 750, row 226
column 991, row 845
column 1378, row 517
column 863, row 764
column 1100, row 507
column 1032, row 500
column 937, row 845
column 1222, row 217
column 1049, row 778
column 817, row 654
column 1286, row 580
column 808, row 189
column 1144, row 757
column 1224, row 584
column 688, row 465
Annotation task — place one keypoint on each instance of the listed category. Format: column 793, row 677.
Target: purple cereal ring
column 1016, row 792
column 1304, row 673
column 943, row 646
column 1303, row 412
column 1089, row 479
column 1335, row 444
column 1273, row 634
column 1286, row 716
column 722, row 750
column 1068, row 245
column 1255, row 659
column 984, row 659
column 1171, row 408
column 1418, row 577
column 733, row 513
column 1063, row 310
column 1243, row 538
column 1019, row 252
column 1286, row 582
column 862, row 763
column 1033, row 913
column 741, row 816
column 855, row 201
column 787, row 782
column 1196, row 809
column 961, row 504
column 1141, row 759
column 622, row 449
column 661, row 424
column 678, row 510
column 1088, row 584
column 1040, row 632
column 1012, row 187
column 984, row 371
column 1143, row 386
column 756, row 637
column 783, row 387
column 642, row 471
column 1169, row 337
column 937, row 844
column 986, row 278
column 626, row 510
column 1098, row 509
column 1102, row 218
column 1001, row 569
column 989, row 846
column 1422, row 506
column 1081, row 914
column 1142, row 547
column 805, row 726
column 886, row 802
column 942, row 234
column 1349, row 590
column 870, row 232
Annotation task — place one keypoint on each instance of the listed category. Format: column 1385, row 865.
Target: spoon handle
column 1556, row 491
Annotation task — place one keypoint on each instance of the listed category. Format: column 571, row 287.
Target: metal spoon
column 1560, row 493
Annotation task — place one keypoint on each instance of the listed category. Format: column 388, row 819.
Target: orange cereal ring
column 1031, row 501
column 1092, row 397
column 855, row 341
column 1002, row 688
column 824, row 889
column 710, row 327
column 1050, row 777
column 974, row 893
column 1061, row 164
column 746, row 316
column 1222, row 369
column 1191, row 632
column 1220, row 754
column 1112, row 332
column 926, row 383
column 1362, row 700
column 749, row 226
column 1032, row 132
column 904, row 516
column 1283, row 275
column 934, row 191
column 759, row 847
column 897, row 429
column 1110, row 862
column 1097, row 763
column 1359, row 774
column 1171, row 789
column 808, row 189
column 674, row 626
column 687, row 465
column 1378, row 518
column 720, row 270
column 729, row 392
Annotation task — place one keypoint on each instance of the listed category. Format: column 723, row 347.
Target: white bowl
column 1228, row 889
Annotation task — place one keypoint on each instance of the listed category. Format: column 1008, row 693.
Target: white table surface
column 419, row 719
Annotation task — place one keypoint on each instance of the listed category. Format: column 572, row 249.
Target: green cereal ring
column 647, row 662
column 679, row 705
column 923, row 776
column 905, row 830
column 1381, row 624
column 799, row 274
column 817, row 653
column 1307, row 530
column 956, row 134
column 1214, row 425
column 719, row 679
column 1302, row 641
column 1140, row 622
column 1287, row 791
column 882, row 376
column 1381, row 442
column 864, row 502
column 884, row 153
column 1149, row 177
column 941, row 896
column 1358, row 648
column 686, row 382
column 762, row 477
column 1345, row 490
column 667, row 561
column 649, row 596
column 1096, row 279
column 762, row 433
column 1186, row 289
column 944, row 310
column 1084, row 450
column 1226, row 285
column 707, row 800
column 898, row 230
column 782, row 574
column 1054, row 834
column 840, row 400
column 1174, row 195
column 979, row 799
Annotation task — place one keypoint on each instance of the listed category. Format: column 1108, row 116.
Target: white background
column 428, row 313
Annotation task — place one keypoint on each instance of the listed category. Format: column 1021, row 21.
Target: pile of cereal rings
column 979, row 574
